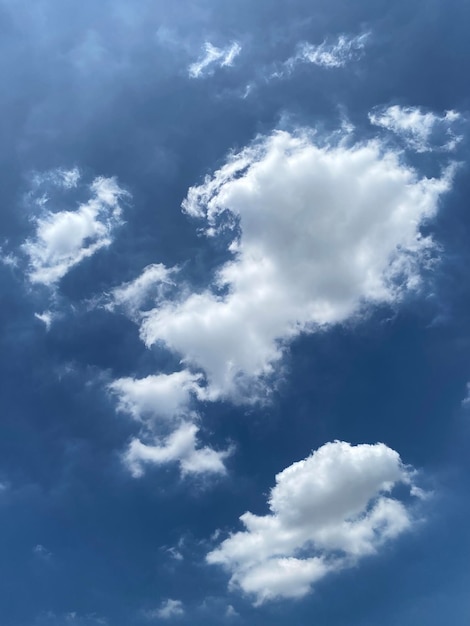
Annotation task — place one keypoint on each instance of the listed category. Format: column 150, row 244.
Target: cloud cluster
column 421, row 131
column 182, row 447
column 326, row 512
column 64, row 238
column 162, row 405
column 319, row 231
column 212, row 58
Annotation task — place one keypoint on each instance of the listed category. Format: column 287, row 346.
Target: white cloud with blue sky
column 235, row 333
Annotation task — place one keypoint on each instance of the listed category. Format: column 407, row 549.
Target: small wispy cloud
column 423, row 131
column 59, row 177
column 466, row 400
column 150, row 286
column 8, row 258
column 329, row 54
column 212, row 58
column 230, row 612
column 41, row 552
column 168, row 609
column 71, row 618
column 46, row 318
column 335, row 54
column 175, row 554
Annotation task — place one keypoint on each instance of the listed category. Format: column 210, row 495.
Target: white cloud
column 65, row 238
column 162, row 404
column 41, row 552
column 60, row 177
column 319, row 232
column 329, row 55
column 150, row 287
column 169, row 608
column 72, row 617
column 175, row 554
column 214, row 57
column 326, row 512
column 466, row 400
column 46, row 318
column 165, row 396
column 8, row 259
column 70, row 178
column 180, row 447
column 231, row 612
column 422, row 131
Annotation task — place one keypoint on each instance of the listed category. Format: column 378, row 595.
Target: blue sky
column 234, row 251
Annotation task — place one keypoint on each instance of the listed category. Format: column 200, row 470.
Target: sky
column 235, row 320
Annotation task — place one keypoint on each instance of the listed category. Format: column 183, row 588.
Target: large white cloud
column 319, row 231
column 326, row 512
column 64, row 238
column 422, row 131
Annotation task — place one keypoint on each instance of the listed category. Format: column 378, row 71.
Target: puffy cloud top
column 319, row 231
column 164, row 396
column 326, row 512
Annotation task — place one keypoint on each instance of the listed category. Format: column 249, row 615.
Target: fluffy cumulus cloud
column 180, row 446
column 318, row 232
column 164, row 396
column 64, row 238
column 422, row 131
column 214, row 58
column 326, row 512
